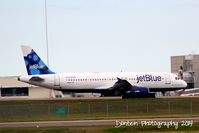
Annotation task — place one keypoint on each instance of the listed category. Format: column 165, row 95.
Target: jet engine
column 139, row 92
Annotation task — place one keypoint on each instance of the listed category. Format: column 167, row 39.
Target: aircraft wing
column 122, row 86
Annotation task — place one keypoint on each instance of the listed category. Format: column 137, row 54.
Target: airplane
column 108, row 84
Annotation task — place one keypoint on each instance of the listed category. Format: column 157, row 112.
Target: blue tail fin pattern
column 34, row 64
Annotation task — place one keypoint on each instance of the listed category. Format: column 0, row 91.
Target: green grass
column 103, row 129
column 37, row 110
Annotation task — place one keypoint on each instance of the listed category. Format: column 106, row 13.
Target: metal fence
column 73, row 110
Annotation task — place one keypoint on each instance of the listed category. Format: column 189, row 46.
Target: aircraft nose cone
column 184, row 84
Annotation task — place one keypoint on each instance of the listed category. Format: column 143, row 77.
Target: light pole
column 46, row 25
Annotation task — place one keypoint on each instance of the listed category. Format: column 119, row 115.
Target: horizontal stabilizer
column 38, row 79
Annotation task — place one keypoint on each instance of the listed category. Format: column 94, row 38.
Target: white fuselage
column 98, row 81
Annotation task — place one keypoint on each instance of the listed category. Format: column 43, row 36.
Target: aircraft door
column 56, row 80
column 167, row 79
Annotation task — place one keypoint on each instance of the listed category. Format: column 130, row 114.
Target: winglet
column 119, row 79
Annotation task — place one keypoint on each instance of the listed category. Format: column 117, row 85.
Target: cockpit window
column 176, row 78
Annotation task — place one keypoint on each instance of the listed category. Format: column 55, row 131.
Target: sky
column 98, row 35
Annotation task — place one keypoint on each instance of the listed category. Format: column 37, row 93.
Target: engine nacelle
column 139, row 92
column 142, row 90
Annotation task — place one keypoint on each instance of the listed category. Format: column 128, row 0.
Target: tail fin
column 34, row 64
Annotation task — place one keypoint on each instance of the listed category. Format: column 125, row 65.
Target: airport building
column 10, row 87
column 190, row 68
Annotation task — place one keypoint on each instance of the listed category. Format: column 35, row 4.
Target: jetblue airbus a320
column 108, row 84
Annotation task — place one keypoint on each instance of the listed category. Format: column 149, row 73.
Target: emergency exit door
column 167, row 79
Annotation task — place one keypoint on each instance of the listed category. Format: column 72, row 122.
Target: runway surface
column 87, row 98
column 113, row 122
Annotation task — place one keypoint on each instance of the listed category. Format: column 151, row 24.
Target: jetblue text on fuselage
column 148, row 78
